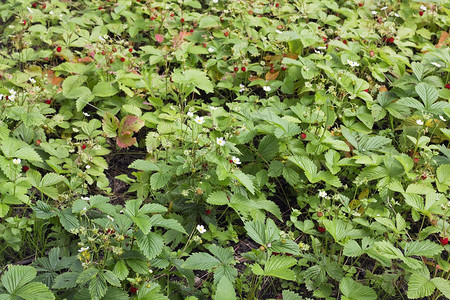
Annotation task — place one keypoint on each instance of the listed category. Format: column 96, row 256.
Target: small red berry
column 272, row 70
column 204, row 45
column 447, row 86
column 208, row 211
column 46, row 58
column 345, row 42
column 34, row 5
column 122, row 59
column 372, row 54
column 444, row 241
column 44, row 6
column 391, row 40
column 192, row 30
column 226, row 33
column 424, row 176
column 182, row 20
column 321, row 229
column 366, row 90
column 171, row 15
column 243, row 69
column 83, row 146
column 320, row 214
column 171, row 80
column 58, row 49
column 24, row 22
column 420, row 13
column 230, row 161
column 277, row 5
column 283, row 68
column 114, row 49
column 25, row 168
column 416, row 160
column 100, row 8
column 49, row 101
column 221, row 20
column 37, row 143
column 112, row 60
column 152, row 18
column 303, row 135
column 103, row 52
column 360, row 4
column 133, row 290
column 324, row 39
column 236, row 69
column 130, row 50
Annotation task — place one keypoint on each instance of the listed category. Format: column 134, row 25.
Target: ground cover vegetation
column 224, row 149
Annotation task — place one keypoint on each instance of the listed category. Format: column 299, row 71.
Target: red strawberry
column 345, row 42
column 447, row 86
column 100, row 8
column 114, row 49
column 226, row 33
column 25, row 168
column 372, row 54
column 133, row 290
column 103, row 52
column 272, row 70
column 46, row 58
column 58, row 49
column 83, row 146
column 130, row 50
column 360, row 4
column 277, row 5
column 303, row 135
column 204, row 45
column 283, row 68
column 171, row 15
column 444, row 241
column 421, row 13
column 208, row 211
column 192, row 30
column 34, row 5
column 49, row 101
column 152, row 18
column 321, row 229
column 182, row 20
column 324, row 39
column 122, row 59
column 221, row 20
column 391, row 40
column 243, row 69
column 230, row 161
column 24, row 22
column 320, row 214
column 44, row 6
column 37, row 143
column 236, row 69
column 416, row 160
column 424, row 176
column 366, row 90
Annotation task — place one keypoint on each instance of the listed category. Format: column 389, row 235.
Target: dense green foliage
column 224, row 149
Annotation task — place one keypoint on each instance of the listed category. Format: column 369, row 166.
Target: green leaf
column 356, row 291
column 201, row 261
column 111, row 278
column 68, row 220
column 35, row 291
column 291, row 176
column 120, row 269
column 290, row 295
column 27, row 154
column 425, row 248
column 144, row 165
column 388, row 250
column 420, row 285
column 225, row 290
column 97, row 287
column 245, row 180
column 151, row 244
column 104, row 89
column 218, row 198
column 16, row 277
column 352, row 249
column 427, row 93
column 337, row 228
column 158, row 220
column 66, row 280
column 268, row 147
column 71, row 83
column 159, row 180
column 443, row 285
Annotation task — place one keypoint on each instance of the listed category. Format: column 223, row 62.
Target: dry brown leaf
column 272, row 76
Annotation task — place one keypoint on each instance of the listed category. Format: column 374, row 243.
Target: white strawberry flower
column 419, row 122
column 236, row 160
column 423, row 7
column 211, row 49
column 267, row 88
column 199, row 120
column 190, row 114
column 322, row 194
column 201, row 229
column 442, row 118
column 220, row 141
column 436, row 64
column 16, row 161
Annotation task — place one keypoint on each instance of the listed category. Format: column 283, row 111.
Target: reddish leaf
column 128, row 124
column 124, row 141
column 159, row 38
